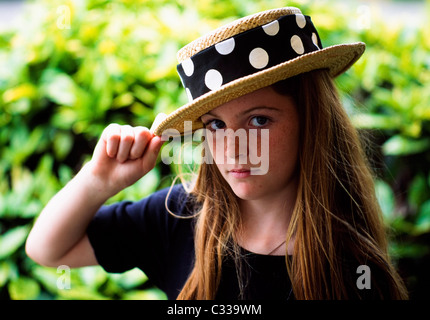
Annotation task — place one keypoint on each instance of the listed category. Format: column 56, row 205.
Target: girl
column 300, row 230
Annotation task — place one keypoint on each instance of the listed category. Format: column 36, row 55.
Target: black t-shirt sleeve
column 144, row 234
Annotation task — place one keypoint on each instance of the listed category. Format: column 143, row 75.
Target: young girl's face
column 270, row 120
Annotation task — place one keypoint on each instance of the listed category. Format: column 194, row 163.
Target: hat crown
column 232, row 29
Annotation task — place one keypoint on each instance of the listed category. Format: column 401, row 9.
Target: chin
column 246, row 192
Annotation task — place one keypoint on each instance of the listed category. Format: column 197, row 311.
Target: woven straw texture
column 232, row 29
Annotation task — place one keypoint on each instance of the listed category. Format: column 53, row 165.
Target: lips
column 240, row 173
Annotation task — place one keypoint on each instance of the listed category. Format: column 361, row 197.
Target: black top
column 145, row 235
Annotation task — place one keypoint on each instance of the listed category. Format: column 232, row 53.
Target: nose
column 236, row 147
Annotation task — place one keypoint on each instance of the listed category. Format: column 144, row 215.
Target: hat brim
column 337, row 59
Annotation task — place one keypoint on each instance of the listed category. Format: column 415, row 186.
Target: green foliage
column 394, row 103
column 390, row 88
column 72, row 67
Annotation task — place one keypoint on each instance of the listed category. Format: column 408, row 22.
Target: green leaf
column 59, row 87
column 408, row 250
column 149, row 294
column 80, row 293
column 12, row 240
column 130, row 279
column 422, row 222
column 385, row 196
column 25, row 90
column 376, row 121
column 25, row 143
column 401, row 146
column 46, row 276
column 63, row 143
column 418, row 191
column 123, row 100
column 92, row 277
column 8, row 270
column 23, row 288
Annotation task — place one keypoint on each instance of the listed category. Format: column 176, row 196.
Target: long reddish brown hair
column 336, row 222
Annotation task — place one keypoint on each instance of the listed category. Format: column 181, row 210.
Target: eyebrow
column 247, row 111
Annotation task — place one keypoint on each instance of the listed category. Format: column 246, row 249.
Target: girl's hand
column 122, row 156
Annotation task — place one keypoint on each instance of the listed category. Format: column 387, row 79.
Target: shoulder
column 157, row 215
column 174, row 200
column 159, row 208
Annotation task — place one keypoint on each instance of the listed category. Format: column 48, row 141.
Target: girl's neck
column 264, row 222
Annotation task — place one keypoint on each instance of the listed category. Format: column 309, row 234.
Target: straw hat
column 249, row 54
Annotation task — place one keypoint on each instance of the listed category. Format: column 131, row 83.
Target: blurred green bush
column 72, row 67
column 391, row 89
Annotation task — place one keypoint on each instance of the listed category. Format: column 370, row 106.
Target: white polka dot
column 225, row 47
column 271, row 28
column 189, row 95
column 301, row 20
column 213, row 79
column 297, row 44
column 188, row 67
column 258, row 58
column 315, row 39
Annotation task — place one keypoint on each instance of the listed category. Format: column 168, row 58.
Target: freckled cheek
column 284, row 148
column 280, row 147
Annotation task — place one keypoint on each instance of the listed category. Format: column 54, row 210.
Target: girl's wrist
column 97, row 188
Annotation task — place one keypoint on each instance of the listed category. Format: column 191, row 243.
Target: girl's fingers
column 125, row 144
column 151, row 154
column 141, row 138
column 112, row 136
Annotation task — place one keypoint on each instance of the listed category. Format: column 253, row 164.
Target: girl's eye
column 216, row 125
column 259, row 121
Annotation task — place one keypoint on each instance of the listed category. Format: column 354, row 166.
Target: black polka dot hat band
column 249, row 54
